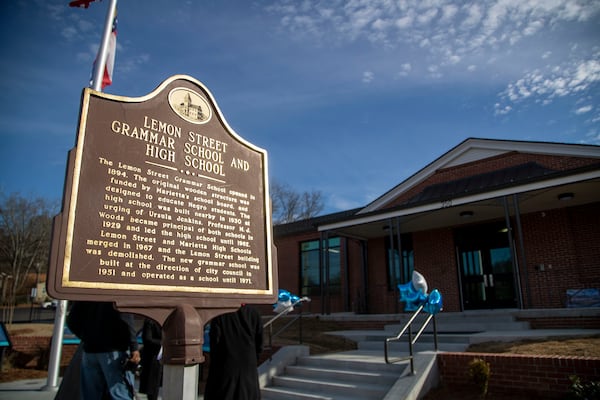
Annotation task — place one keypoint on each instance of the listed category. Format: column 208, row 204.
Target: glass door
column 486, row 269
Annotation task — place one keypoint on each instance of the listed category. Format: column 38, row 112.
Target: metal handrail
column 287, row 310
column 411, row 340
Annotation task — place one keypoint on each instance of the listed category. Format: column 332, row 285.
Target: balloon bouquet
column 414, row 295
column 287, row 301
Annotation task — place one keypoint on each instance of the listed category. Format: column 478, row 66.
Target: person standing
column 151, row 375
column 109, row 342
column 236, row 341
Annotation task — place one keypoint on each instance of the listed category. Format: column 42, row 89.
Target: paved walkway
column 35, row 389
column 29, row 389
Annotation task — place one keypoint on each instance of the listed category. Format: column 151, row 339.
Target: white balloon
column 419, row 282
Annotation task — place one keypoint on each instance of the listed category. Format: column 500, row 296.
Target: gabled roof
column 474, row 149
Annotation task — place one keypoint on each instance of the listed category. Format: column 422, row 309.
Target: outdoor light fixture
column 566, row 196
column 466, row 214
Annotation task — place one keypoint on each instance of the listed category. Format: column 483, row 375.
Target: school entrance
column 486, row 267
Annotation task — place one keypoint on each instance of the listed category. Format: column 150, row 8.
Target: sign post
column 166, row 213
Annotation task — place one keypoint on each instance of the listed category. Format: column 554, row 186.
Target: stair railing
column 411, row 340
column 287, row 310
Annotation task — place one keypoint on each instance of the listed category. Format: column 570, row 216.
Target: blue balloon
column 285, row 300
column 284, row 295
column 434, row 302
column 412, row 297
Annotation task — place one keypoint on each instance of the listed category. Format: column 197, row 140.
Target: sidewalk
column 29, row 389
column 35, row 389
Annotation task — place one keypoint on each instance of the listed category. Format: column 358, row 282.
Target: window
column 312, row 273
column 399, row 270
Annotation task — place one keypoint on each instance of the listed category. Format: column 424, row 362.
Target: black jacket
column 236, row 341
column 101, row 327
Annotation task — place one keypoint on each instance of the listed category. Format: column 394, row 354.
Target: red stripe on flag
column 110, row 59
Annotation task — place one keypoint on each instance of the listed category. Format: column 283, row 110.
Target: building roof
column 531, row 186
column 476, row 149
column 441, row 203
column 477, row 183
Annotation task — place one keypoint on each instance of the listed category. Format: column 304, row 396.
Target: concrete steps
column 363, row 374
column 456, row 331
column 347, row 375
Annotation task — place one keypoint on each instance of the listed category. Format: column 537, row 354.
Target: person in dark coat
column 108, row 342
column 151, row 375
column 236, row 341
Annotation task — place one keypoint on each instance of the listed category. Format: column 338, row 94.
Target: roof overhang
column 489, row 205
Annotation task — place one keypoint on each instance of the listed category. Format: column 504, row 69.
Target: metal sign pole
column 103, row 51
column 180, row 382
column 61, row 310
column 56, row 346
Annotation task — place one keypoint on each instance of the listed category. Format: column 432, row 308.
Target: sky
column 349, row 98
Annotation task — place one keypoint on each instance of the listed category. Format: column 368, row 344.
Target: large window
column 399, row 269
column 312, row 274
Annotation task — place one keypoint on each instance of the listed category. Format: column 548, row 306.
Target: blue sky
column 349, row 98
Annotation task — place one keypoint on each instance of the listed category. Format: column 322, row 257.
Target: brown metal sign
column 164, row 200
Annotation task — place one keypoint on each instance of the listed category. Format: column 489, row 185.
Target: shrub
column 479, row 372
column 583, row 391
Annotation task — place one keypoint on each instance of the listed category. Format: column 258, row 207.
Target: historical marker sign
column 163, row 199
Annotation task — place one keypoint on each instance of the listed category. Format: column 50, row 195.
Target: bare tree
column 311, row 204
column 25, row 231
column 289, row 205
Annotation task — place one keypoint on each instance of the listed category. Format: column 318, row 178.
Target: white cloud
column 404, row 22
column 560, row 81
column 368, row 77
column 428, row 16
column 448, row 12
column 583, row 110
column 474, row 16
column 501, row 110
column 509, row 37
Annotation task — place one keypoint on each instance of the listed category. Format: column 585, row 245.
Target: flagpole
column 103, row 51
column 61, row 309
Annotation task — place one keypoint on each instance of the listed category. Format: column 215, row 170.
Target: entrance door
column 486, row 269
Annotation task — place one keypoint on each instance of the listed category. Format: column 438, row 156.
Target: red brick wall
column 435, row 258
column 32, row 347
column 565, row 241
column 544, row 376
